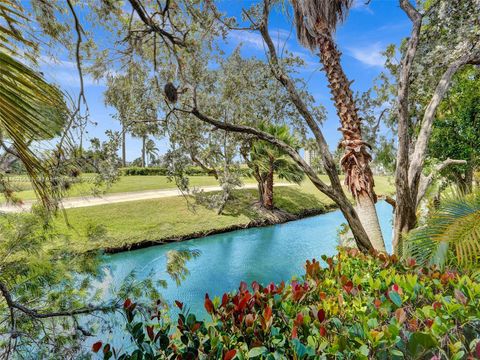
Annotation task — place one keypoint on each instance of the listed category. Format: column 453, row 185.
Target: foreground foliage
column 357, row 306
column 451, row 234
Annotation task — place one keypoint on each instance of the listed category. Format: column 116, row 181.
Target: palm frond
column 264, row 155
column 31, row 109
column 11, row 16
column 453, row 229
column 310, row 15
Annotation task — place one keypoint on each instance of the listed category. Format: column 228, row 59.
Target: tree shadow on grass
column 289, row 199
column 242, row 204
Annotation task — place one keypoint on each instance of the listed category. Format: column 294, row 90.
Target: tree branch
column 420, row 152
column 327, row 190
column 411, row 11
column 300, row 105
column 335, row 191
column 403, row 97
column 426, row 181
column 147, row 20
column 37, row 315
column 405, row 214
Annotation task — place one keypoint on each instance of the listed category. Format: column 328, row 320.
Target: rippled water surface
column 273, row 253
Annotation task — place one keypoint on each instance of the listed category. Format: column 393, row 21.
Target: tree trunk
column 261, row 191
column 124, row 146
column 368, row 216
column 268, row 191
column 465, row 182
column 144, row 140
column 335, row 190
column 356, row 158
column 405, row 217
column 405, row 220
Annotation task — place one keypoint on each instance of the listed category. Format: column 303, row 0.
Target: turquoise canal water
column 273, row 253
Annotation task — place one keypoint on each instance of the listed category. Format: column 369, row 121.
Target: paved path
column 85, row 201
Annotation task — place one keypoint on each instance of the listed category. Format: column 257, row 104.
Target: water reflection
column 273, row 253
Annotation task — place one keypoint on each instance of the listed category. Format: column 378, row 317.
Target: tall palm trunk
column 356, row 159
column 144, row 140
column 261, row 184
column 124, row 146
column 268, row 190
column 261, row 191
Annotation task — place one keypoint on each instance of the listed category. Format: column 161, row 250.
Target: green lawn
column 124, row 184
column 136, row 221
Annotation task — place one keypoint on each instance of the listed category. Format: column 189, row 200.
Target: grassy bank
column 121, row 224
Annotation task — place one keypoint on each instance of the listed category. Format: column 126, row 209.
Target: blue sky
column 366, row 32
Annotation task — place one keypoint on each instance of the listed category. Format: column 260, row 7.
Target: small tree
column 267, row 160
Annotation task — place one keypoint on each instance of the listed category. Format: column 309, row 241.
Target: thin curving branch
column 269, row 138
column 148, row 21
column 38, row 315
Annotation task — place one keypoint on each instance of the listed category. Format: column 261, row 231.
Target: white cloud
column 64, row 73
column 254, row 40
column 369, row 55
column 361, row 5
column 250, row 39
column 284, row 41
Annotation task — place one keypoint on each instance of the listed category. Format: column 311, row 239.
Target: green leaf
column 396, row 353
column 396, row 299
column 257, row 351
column 419, row 343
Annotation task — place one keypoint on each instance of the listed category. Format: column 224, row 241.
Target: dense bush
column 356, row 307
column 135, row 170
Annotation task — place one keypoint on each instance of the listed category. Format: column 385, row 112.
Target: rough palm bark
column 315, row 20
column 356, row 159
column 335, row 190
column 268, row 191
column 261, row 190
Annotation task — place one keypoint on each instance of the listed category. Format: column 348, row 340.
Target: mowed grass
column 153, row 220
column 85, row 187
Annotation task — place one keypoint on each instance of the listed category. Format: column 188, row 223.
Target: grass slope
column 152, row 220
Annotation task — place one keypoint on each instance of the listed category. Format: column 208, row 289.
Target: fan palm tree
column 30, row 108
column 452, row 233
column 316, row 21
column 268, row 160
column 151, row 150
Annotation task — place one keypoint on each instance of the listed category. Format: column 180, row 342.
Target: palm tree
column 316, row 21
column 312, row 156
column 30, row 108
column 267, row 160
column 452, row 234
column 151, row 150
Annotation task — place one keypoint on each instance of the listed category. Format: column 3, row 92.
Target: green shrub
column 357, row 307
column 163, row 171
column 143, row 171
